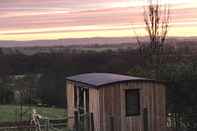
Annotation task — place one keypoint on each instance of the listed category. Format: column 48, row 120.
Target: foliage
column 46, row 73
column 6, row 90
column 15, row 89
column 182, row 81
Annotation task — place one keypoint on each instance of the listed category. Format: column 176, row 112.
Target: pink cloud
column 43, row 14
column 76, row 18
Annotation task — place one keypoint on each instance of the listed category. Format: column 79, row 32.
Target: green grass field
column 9, row 112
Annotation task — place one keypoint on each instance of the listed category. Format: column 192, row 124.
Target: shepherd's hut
column 115, row 102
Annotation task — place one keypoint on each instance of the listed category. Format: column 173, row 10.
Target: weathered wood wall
column 110, row 108
column 94, row 107
column 131, row 123
column 70, row 103
column 112, row 103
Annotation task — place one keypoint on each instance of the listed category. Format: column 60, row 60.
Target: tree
column 156, row 18
column 6, row 90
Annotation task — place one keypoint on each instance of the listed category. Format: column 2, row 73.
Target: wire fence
column 45, row 125
column 182, row 121
column 85, row 122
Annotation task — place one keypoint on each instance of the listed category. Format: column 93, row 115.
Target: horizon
column 86, row 38
column 88, row 41
column 29, row 20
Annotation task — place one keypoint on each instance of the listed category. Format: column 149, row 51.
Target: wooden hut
column 117, row 102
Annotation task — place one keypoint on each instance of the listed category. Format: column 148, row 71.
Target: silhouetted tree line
column 45, row 74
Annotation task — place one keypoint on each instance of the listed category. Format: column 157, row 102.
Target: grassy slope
column 8, row 112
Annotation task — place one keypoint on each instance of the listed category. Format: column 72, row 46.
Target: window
column 132, row 102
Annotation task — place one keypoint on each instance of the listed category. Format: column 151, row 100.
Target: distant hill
column 87, row 41
column 90, row 44
column 67, row 42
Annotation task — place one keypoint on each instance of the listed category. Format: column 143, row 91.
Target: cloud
column 52, row 16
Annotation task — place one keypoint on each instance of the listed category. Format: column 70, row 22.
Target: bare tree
column 156, row 18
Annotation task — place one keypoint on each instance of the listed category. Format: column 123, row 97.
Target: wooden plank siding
column 152, row 97
column 109, row 101
column 94, row 105
column 70, row 103
column 110, row 108
column 112, row 102
column 133, row 123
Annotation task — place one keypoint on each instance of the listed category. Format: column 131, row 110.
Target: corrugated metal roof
column 100, row 79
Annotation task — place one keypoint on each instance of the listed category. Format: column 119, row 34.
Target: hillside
column 91, row 44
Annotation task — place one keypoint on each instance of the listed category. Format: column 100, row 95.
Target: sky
column 58, row 19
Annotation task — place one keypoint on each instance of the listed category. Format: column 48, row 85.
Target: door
column 83, row 101
column 82, row 108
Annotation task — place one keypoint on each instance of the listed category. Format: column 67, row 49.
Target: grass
column 8, row 113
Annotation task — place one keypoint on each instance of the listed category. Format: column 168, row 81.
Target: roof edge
column 117, row 82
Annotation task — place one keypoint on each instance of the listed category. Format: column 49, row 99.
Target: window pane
column 132, row 102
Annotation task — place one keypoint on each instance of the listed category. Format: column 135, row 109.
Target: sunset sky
column 58, row 19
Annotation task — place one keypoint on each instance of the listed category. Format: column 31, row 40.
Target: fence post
column 91, row 122
column 48, row 124
column 177, row 121
column 145, row 119
column 112, row 123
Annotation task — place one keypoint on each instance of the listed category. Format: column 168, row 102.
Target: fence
column 85, row 122
column 182, row 121
column 45, row 125
column 17, row 126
